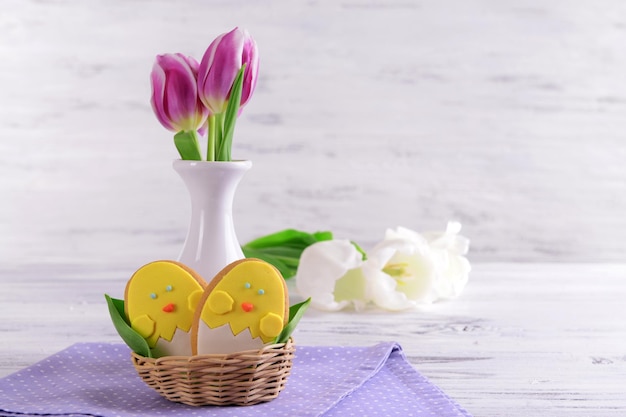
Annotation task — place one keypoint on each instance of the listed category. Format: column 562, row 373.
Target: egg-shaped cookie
column 160, row 301
column 244, row 307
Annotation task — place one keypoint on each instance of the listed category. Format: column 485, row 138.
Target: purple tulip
column 219, row 66
column 175, row 93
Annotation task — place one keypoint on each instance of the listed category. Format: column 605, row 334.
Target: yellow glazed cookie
column 160, row 301
column 244, row 307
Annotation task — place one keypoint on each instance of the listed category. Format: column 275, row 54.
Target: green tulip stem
column 210, row 152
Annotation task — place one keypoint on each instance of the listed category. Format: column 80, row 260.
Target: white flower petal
column 402, row 271
column 382, row 290
column 404, row 234
column 452, row 267
column 450, row 239
column 406, row 271
column 455, row 276
column 453, row 228
column 326, row 265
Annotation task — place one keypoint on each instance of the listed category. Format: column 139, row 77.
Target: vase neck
column 211, row 182
column 211, row 242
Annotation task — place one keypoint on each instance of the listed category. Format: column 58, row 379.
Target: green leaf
column 187, row 144
column 285, row 269
column 289, row 237
column 321, row 236
column 232, row 111
column 219, row 135
column 133, row 339
column 360, row 250
column 283, row 249
column 296, row 312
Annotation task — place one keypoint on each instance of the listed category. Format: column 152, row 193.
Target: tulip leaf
column 283, row 249
column 133, row 339
column 232, row 111
column 187, row 144
column 296, row 312
column 219, row 135
column 320, row 236
column 286, row 270
column 289, row 237
column 360, row 250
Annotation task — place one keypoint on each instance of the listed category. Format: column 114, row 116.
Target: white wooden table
column 506, row 116
column 523, row 339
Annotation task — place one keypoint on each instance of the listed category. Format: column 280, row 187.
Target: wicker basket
column 242, row 378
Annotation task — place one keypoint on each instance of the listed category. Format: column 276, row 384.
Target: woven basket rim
column 289, row 345
column 239, row 378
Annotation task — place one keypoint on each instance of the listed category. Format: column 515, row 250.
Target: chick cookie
column 160, row 301
column 244, row 307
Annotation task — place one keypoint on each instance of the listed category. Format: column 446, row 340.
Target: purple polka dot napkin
column 91, row 379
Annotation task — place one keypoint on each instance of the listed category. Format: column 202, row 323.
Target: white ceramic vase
column 211, row 242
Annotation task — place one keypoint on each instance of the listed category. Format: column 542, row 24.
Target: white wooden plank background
column 507, row 116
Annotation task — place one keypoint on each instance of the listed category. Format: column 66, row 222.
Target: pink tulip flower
column 175, row 93
column 219, row 66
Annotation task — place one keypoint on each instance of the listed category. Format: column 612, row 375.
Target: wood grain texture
column 523, row 339
column 369, row 114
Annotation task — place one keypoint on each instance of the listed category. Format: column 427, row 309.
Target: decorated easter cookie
column 160, row 301
column 244, row 307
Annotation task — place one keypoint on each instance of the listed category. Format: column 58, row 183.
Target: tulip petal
column 218, row 68
column 204, row 128
column 382, row 289
column 457, row 273
column 450, row 239
column 250, row 57
column 174, row 93
column 446, row 251
column 157, row 78
column 181, row 97
column 322, row 265
column 409, row 264
column 206, row 65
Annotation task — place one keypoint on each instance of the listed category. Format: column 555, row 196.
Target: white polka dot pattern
column 90, row 379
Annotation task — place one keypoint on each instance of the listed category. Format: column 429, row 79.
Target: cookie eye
column 168, row 288
column 261, row 291
column 153, row 295
column 247, row 285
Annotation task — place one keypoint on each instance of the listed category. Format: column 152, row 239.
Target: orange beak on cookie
column 247, row 307
column 169, row 308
